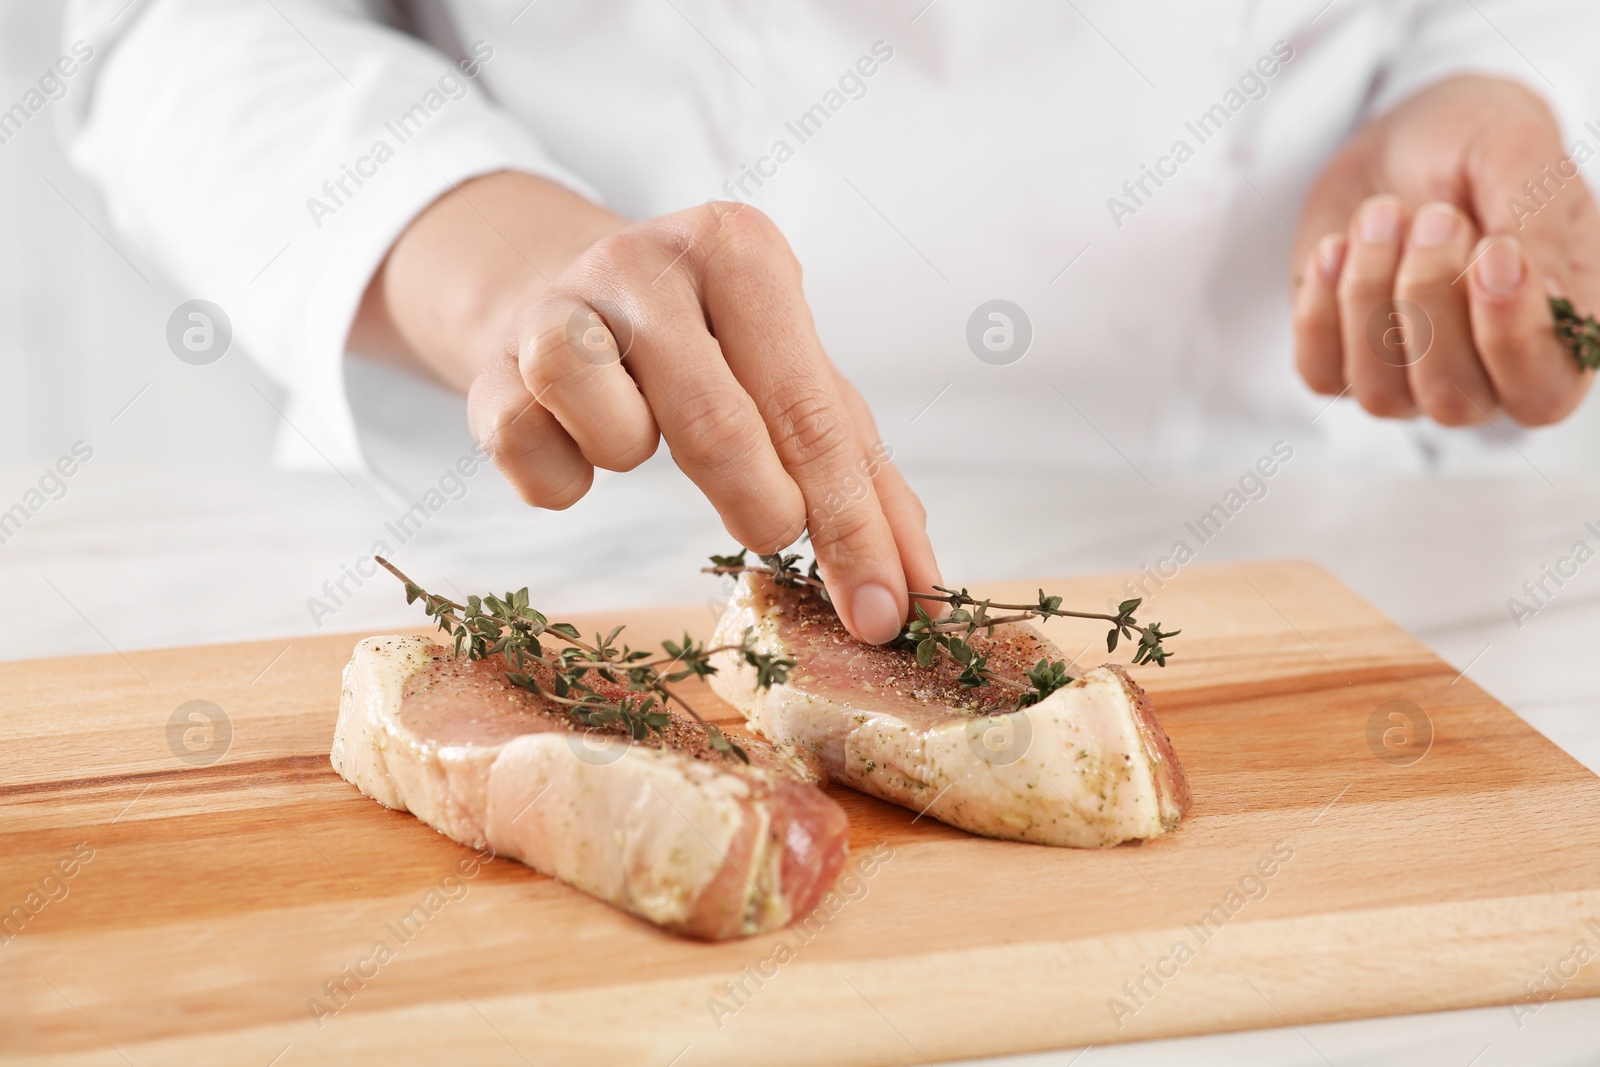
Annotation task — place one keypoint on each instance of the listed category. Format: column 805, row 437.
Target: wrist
column 450, row 291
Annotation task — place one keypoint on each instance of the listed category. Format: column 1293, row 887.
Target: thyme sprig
column 491, row 625
column 949, row 634
column 783, row 569
column 1579, row 333
column 1123, row 623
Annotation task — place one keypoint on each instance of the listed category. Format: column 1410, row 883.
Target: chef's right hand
column 694, row 327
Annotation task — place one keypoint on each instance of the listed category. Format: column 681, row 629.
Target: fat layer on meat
column 692, row 841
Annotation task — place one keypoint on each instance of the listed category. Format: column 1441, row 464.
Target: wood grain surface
column 228, row 893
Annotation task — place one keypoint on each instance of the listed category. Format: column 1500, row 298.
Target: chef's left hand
column 1427, row 291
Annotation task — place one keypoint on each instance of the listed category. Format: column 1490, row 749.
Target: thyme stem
column 1031, row 610
column 487, row 626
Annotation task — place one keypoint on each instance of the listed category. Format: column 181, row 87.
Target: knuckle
column 526, row 458
column 620, row 447
column 1446, row 403
column 629, row 454
column 1321, row 378
column 1539, row 407
column 736, row 219
column 508, row 437
column 847, row 532
column 721, row 425
column 808, row 425
column 1361, row 288
column 614, row 254
column 546, row 362
column 773, row 529
column 744, row 233
column 1520, row 359
column 554, row 495
column 1422, row 280
column 1383, row 403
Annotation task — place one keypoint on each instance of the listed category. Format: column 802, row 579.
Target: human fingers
column 1318, row 347
column 750, row 283
column 528, row 446
column 1373, row 363
column 1446, row 378
column 571, row 360
column 1536, row 378
column 1542, row 239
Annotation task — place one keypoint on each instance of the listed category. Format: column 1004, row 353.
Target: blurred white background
column 83, row 314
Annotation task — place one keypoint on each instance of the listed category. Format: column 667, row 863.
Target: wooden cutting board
column 1435, row 853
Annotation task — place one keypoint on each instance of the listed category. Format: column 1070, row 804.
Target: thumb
column 1525, row 186
column 1542, row 238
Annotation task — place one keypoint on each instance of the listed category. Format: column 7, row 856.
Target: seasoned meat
column 683, row 837
column 1088, row 766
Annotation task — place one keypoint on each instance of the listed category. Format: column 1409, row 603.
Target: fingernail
column 1379, row 220
column 1500, row 267
column 1330, row 256
column 1435, row 224
column 876, row 614
column 1553, row 287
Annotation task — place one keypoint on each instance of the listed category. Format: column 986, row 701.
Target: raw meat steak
column 695, row 842
column 1088, row 766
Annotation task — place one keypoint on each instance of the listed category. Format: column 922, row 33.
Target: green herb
column 1580, row 333
column 949, row 635
column 508, row 626
column 781, row 568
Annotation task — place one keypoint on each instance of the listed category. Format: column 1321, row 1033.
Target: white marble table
column 142, row 556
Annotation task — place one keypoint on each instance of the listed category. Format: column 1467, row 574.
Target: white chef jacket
column 1123, row 174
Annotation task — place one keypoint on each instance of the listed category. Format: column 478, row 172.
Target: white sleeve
column 1546, row 45
column 267, row 155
